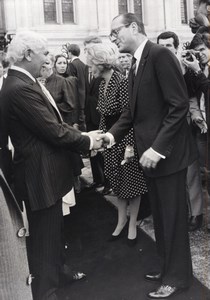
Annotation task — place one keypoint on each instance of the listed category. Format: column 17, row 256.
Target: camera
column 188, row 55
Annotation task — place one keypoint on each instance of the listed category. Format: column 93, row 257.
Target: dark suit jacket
column 76, row 68
column 158, row 108
column 42, row 164
column 14, row 270
column 92, row 116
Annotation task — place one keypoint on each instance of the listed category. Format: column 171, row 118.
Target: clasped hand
column 100, row 140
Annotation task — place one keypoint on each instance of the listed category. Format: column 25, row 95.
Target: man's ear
column 27, row 55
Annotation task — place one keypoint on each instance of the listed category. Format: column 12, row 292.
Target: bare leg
column 122, row 216
column 134, row 209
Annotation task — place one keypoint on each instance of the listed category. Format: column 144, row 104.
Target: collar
column 1, row 81
column 73, row 58
column 23, row 71
column 139, row 51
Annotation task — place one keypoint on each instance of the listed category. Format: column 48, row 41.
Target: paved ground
column 199, row 240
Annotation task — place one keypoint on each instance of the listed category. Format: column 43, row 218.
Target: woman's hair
column 23, row 41
column 102, row 54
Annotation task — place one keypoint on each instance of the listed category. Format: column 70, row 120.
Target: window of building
column 184, row 18
column 134, row 6
column 67, row 11
column 49, row 11
column 58, row 11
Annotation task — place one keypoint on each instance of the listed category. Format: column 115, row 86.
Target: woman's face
column 97, row 70
column 61, row 65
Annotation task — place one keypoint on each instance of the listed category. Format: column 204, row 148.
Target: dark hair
column 199, row 39
column 129, row 18
column 92, row 39
column 167, row 35
column 58, row 56
column 74, row 49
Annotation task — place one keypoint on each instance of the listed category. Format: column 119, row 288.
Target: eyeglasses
column 115, row 32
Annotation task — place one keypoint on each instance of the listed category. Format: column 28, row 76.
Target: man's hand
column 149, row 159
column 96, row 138
column 201, row 123
column 106, row 140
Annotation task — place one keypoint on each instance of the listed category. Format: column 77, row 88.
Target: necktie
column 90, row 77
column 133, row 69
column 50, row 98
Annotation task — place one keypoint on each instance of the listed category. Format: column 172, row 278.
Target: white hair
column 102, row 54
column 23, row 41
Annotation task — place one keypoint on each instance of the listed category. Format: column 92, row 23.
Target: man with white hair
column 42, row 161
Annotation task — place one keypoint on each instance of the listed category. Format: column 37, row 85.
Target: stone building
column 70, row 21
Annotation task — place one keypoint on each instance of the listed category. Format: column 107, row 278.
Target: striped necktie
column 133, row 69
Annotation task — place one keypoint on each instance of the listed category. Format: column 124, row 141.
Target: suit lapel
column 137, row 81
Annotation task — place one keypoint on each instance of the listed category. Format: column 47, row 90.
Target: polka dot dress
column 127, row 181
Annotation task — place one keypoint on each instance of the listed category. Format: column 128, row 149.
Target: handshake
column 99, row 139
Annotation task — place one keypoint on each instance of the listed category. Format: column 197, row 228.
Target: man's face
column 204, row 53
column 168, row 43
column 125, row 60
column 37, row 61
column 46, row 69
column 121, row 35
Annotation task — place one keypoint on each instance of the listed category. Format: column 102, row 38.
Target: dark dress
column 64, row 93
column 127, row 181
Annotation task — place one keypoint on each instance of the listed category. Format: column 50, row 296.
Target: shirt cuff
column 162, row 156
column 91, row 140
column 111, row 139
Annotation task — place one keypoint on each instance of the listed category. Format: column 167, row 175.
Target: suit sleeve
column 172, row 84
column 32, row 110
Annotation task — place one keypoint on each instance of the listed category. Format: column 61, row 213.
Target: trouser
column 45, row 249
column 194, row 189
column 169, row 208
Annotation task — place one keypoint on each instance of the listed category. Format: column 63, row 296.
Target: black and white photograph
column 104, row 149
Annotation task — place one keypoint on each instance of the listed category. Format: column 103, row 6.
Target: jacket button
column 21, row 232
column 29, row 279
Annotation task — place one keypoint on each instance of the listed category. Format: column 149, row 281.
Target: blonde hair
column 23, row 41
column 102, row 54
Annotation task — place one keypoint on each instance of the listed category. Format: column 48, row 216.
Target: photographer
column 196, row 60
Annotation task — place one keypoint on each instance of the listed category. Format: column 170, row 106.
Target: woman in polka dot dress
column 127, row 180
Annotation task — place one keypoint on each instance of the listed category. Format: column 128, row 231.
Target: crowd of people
column 139, row 111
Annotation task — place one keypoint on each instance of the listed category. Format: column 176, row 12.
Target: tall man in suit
column 157, row 110
column 42, row 161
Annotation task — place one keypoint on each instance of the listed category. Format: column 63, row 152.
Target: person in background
column 125, row 62
column 157, row 110
column 170, row 40
column 43, row 171
column 197, row 78
column 77, row 68
column 15, row 279
column 126, row 179
column 195, row 199
column 60, row 65
column 92, row 118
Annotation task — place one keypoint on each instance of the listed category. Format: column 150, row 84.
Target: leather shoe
column 132, row 242
column 195, row 223
column 164, row 291
column 153, row 276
